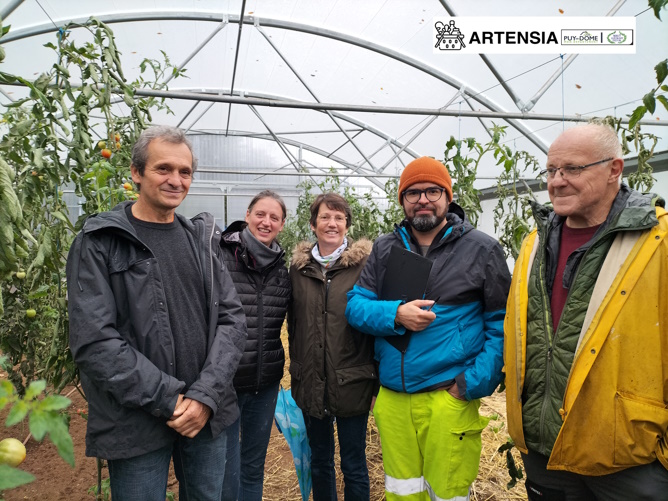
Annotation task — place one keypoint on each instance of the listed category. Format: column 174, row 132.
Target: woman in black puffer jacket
column 257, row 267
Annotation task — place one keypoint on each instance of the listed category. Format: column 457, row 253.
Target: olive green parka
column 331, row 364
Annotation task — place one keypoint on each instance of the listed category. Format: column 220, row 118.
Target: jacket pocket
column 353, row 390
column 351, row 375
column 639, row 426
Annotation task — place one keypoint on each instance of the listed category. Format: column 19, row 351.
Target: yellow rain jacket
column 615, row 408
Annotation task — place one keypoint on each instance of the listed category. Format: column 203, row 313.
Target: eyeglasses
column 337, row 219
column 433, row 194
column 569, row 171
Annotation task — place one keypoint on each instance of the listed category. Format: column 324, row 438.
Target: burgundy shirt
column 571, row 240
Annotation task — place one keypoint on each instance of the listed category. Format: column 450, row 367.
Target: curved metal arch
column 267, row 137
column 277, row 97
column 288, row 25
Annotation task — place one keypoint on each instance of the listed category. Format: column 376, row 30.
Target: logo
column 584, row 37
column 448, row 36
column 597, row 37
column 617, row 37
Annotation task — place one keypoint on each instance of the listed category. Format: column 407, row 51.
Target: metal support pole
column 193, row 96
column 284, row 148
column 490, row 65
column 294, row 71
column 218, row 28
column 567, row 62
column 9, row 8
column 422, row 129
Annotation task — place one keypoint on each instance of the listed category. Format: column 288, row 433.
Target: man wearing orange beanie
column 438, row 355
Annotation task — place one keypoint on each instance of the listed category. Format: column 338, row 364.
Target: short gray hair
column 606, row 140
column 166, row 133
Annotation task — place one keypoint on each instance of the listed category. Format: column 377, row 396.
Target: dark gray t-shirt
column 184, row 292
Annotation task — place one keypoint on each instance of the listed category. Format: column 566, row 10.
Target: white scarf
column 328, row 261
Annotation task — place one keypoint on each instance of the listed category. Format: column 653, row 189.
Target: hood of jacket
column 231, row 238
column 352, row 256
column 232, row 233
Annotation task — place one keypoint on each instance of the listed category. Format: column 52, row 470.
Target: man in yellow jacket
column 586, row 331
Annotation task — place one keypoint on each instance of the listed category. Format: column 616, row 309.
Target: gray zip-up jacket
column 122, row 342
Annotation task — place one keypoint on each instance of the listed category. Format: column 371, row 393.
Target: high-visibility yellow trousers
column 431, row 444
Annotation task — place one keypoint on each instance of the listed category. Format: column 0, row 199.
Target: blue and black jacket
column 464, row 343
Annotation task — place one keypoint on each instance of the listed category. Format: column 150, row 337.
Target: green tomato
column 31, row 313
column 20, row 275
column 12, row 452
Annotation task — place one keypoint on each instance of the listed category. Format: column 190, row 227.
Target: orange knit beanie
column 425, row 169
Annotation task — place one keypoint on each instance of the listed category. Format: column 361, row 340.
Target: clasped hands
column 189, row 416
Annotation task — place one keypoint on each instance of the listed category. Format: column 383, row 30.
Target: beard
column 425, row 223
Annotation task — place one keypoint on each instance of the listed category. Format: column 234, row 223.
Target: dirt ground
column 57, row 481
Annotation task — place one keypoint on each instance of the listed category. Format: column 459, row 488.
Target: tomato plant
column 45, row 417
column 50, row 142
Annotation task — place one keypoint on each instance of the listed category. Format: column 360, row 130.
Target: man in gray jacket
column 157, row 331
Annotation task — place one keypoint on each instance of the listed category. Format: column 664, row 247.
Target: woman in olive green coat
column 331, row 364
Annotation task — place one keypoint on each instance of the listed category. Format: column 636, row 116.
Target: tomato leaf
column 661, row 71
column 59, row 215
column 638, row 113
column 39, row 424
column 650, row 102
column 13, row 477
column 17, row 413
column 53, row 403
column 6, row 388
column 657, row 5
column 60, row 437
column 35, row 388
column 663, row 100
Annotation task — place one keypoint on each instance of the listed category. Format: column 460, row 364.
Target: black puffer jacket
column 121, row 339
column 331, row 364
column 265, row 296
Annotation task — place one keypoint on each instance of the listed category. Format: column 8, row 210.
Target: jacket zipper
column 261, row 283
column 605, row 234
column 403, row 357
column 548, row 339
column 260, row 334
column 552, row 339
column 327, row 281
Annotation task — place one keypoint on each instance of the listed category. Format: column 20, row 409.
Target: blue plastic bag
column 290, row 422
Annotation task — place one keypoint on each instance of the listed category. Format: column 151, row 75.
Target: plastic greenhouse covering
column 272, row 87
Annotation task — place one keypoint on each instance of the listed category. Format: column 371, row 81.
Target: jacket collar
column 352, row 256
column 231, row 237
column 630, row 209
column 117, row 220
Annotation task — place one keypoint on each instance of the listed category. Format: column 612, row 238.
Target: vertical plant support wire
column 563, row 105
column 459, row 124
